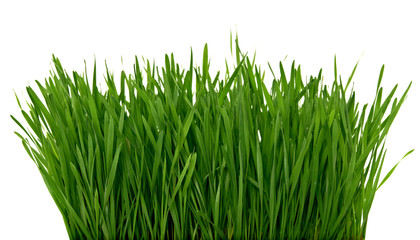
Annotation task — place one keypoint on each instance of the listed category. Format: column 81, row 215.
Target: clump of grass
column 229, row 159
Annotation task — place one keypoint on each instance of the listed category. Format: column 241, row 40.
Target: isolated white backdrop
column 309, row 32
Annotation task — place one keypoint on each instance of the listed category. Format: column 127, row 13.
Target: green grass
column 229, row 159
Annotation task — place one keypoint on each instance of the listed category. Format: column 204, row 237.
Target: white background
column 311, row 33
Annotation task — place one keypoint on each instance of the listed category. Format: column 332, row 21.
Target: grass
column 229, row 159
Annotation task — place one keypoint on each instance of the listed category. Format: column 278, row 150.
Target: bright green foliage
column 228, row 160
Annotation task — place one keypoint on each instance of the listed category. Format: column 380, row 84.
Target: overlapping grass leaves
column 160, row 160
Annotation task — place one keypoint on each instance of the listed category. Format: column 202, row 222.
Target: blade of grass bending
column 112, row 173
column 229, row 83
column 181, row 177
column 393, row 168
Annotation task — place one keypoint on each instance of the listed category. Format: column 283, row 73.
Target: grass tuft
column 156, row 159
